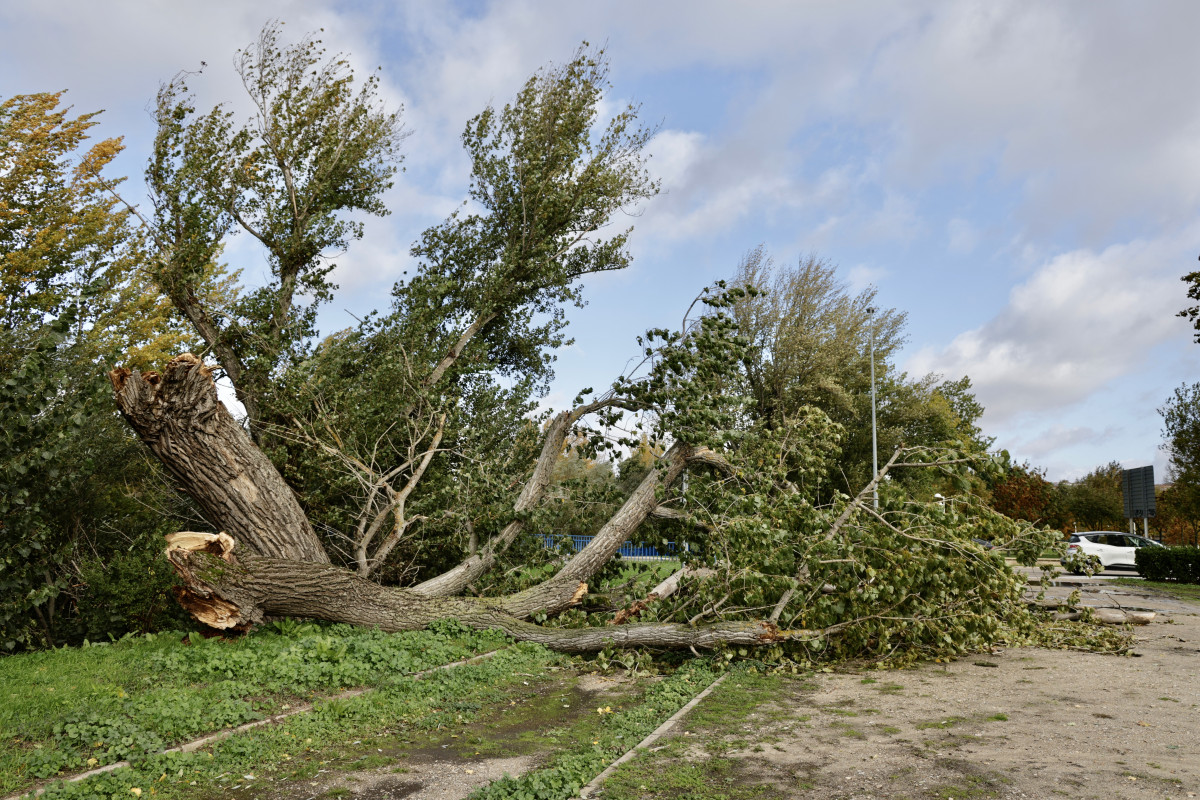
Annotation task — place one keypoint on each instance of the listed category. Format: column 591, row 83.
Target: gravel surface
column 1022, row 723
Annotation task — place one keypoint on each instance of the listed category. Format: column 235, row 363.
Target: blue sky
column 1022, row 178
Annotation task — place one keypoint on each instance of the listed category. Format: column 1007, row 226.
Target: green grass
column 334, row 736
column 1183, row 591
column 68, row 710
column 620, row 729
column 455, row 713
column 647, row 776
column 718, row 724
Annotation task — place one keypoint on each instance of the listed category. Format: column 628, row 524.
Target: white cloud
column 1079, row 322
column 861, row 276
column 1081, row 105
column 1058, row 437
column 674, row 154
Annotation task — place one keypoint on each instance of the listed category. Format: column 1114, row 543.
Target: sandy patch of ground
column 1025, row 723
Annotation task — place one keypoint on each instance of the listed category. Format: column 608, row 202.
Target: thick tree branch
column 455, row 580
column 565, row 587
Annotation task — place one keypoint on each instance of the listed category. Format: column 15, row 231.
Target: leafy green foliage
column 811, row 345
column 144, row 694
column 316, row 148
column 71, row 303
column 1181, row 429
column 1081, row 563
column 1192, row 280
column 1180, row 564
column 1094, row 501
column 311, row 657
column 127, row 591
column 470, row 335
column 545, row 181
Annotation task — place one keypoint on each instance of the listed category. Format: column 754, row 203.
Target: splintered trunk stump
column 179, row 417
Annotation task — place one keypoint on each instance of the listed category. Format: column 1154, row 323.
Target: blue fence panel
column 628, row 550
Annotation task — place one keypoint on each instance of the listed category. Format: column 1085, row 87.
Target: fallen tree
column 283, row 571
column 405, row 416
column 250, row 570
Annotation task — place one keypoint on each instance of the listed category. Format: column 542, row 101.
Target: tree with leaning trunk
column 487, row 300
column 268, row 561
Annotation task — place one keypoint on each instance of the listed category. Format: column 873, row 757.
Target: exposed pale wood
column 219, row 544
column 668, row 587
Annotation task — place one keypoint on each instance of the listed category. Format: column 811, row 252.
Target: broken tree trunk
column 179, row 417
column 282, row 570
column 233, row 593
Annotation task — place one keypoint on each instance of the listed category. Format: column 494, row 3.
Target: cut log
column 1119, row 616
column 1111, row 616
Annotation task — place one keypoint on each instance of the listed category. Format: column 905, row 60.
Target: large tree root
column 234, row 593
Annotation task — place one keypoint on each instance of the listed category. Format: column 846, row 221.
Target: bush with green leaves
column 128, row 591
column 1181, row 564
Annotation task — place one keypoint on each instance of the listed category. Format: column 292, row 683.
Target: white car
column 1112, row 548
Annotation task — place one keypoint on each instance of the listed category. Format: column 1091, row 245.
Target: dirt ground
column 449, row 765
column 1022, row 723
column 1025, row 723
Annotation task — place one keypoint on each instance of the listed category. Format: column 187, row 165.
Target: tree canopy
column 73, row 301
column 317, row 146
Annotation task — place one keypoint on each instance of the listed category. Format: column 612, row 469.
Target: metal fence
column 628, row 550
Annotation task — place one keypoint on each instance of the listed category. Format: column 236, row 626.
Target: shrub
column 1169, row 563
column 129, row 593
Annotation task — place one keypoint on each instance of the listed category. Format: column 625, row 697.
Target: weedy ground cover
column 337, row 734
column 72, row 709
column 618, row 730
column 524, row 700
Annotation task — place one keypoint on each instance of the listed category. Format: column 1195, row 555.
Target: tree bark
column 179, row 417
column 234, row 593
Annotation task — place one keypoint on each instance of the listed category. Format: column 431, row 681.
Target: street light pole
column 874, row 438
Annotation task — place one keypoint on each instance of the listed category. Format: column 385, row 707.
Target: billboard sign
column 1137, row 490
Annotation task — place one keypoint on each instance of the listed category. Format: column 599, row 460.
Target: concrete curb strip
column 654, row 736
